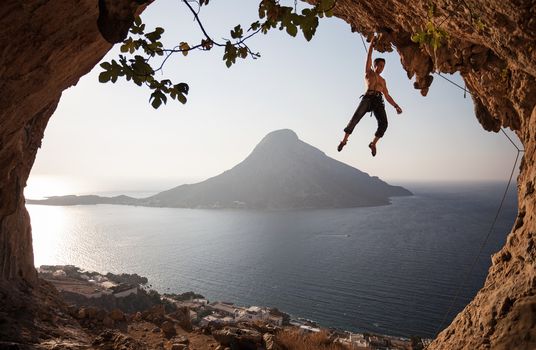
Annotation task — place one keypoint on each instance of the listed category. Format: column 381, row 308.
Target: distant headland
column 282, row 172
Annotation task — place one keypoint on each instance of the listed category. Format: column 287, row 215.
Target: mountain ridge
column 281, row 172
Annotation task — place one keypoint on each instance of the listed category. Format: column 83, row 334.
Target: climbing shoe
column 372, row 149
column 341, row 145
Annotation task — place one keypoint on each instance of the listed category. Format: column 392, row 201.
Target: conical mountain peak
column 281, row 135
column 282, row 172
column 280, row 138
column 282, row 147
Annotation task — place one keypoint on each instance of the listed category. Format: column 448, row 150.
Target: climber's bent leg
column 363, row 108
column 381, row 117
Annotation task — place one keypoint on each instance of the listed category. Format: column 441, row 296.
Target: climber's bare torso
column 375, row 82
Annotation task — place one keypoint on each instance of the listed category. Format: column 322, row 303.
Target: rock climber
column 372, row 100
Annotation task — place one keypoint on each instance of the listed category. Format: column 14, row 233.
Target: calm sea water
column 393, row 269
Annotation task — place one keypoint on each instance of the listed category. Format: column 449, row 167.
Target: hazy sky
column 106, row 137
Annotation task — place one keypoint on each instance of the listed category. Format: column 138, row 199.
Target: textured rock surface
column 45, row 46
column 36, row 315
column 498, row 65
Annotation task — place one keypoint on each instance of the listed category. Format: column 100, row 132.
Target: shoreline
column 84, row 288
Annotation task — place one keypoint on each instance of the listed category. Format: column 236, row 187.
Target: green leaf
column 292, row 30
column 137, row 29
column 181, row 98
column 184, row 47
column 183, row 87
column 154, row 36
column 431, row 10
column 207, row 44
column 157, row 98
column 156, row 103
column 255, row 25
column 237, row 32
column 104, row 77
column 243, row 52
column 128, row 45
column 230, row 54
column 419, row 38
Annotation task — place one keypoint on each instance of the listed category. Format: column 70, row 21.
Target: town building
column 224, row 309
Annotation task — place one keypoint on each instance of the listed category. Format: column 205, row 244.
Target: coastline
column 89, row 290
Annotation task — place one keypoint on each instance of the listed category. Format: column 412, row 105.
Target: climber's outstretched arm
column 390, row 99
column 368, row 64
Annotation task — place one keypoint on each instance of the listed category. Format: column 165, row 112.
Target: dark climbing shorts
column 370, row 102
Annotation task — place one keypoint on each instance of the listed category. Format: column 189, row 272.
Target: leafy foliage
column 138, row 69
column 134, row 64
column 478, row 24
column 434, row 36
column 431, row 35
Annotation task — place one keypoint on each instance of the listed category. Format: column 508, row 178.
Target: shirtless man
column 372, row 100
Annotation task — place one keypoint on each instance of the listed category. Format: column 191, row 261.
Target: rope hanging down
column 485, row 241
column 482, row 245
column 363, row 41
column 499, row 209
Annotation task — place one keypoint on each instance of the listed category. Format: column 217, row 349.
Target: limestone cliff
column 492, row 44
column 46, row 46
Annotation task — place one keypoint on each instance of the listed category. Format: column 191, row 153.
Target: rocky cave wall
column 492, row 45
column 46, row 46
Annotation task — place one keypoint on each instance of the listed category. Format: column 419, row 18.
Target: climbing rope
column 482, row 245
column 363, row 41
column 499, row 209
column 485, row 241
column 455, row 84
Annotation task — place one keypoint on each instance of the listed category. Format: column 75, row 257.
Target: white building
column 358, row 340
column 309, row 329
column 255, row 309
column 59, row 273
column 228, row 320
column 208, row 319
column 225, row 309
column 214, row 319
column 105, row 284
column 253, row 313
column 246, row 316
column 192, row 304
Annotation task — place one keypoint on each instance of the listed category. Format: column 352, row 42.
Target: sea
column 396, row 269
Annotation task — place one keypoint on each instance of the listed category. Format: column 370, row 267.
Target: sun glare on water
column 48, row 221
column 48, row 225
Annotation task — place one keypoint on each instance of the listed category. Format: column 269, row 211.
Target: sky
column 107, row 137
